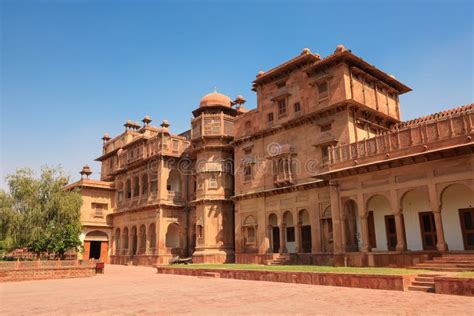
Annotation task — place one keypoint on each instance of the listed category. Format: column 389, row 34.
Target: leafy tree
column 39, row 214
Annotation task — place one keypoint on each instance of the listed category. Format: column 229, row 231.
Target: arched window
column 145, row 184
column 128, row 189
column 174, row 181
column 125, row 238
column 172, row 236
column 152, row 234
column 120, row 191
column 136, row 186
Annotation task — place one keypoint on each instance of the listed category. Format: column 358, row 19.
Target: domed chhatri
column 215, row 99
column 340, row 48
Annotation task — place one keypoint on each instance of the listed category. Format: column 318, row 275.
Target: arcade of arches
column 413, row 220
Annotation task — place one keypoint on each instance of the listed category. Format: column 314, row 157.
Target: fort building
column 322, row 171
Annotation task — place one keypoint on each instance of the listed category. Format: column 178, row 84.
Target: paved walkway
column 139, row 290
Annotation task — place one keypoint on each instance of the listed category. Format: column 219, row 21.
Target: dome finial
column 215, row 89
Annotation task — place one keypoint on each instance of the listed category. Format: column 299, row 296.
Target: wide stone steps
column 423, row 283
column 454, row 262
column 427, row 289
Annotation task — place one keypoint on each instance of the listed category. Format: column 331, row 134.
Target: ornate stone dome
column 215, row 98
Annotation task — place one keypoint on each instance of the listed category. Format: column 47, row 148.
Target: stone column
column 401, row 245
column 315, row 231
column 139, row 241
column 130, row 243
column 441, row 244
column 270, row 239
column 283, row 238
column 336, row 218
column 436, row 208
column 364, row 226
column 298, row 239
column 147, row 244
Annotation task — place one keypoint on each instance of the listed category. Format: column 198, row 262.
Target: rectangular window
column 282, row 107
column 248, row 173
column 323, row 91
column 99, row 209
column 297, row 107
column 270, row 117
column 325, row 153
column 213, row 182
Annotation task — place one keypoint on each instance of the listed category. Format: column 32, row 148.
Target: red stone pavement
column 139, row 290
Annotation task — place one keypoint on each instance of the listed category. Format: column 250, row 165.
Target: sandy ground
column 139, row 290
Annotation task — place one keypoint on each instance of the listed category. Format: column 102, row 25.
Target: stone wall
column 46, row 273
column 366, row 281
column 454, row 286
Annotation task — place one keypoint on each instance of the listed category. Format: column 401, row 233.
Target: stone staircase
column 279, row 260
column 449, row 262
column 423, row 282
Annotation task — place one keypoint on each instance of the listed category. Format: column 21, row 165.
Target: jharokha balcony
column 427, row 137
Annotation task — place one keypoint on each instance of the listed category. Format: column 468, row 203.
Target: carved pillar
column 283, row 238
column 401, row 245
column 299, row 246
column 399, row 227
column 139, row 242
column 148, row 241
column 315, row 231
column 364, row 226
column 130, row 243
column 336, row 217
column 270, row 239
column 436, row 208
column 441, row 244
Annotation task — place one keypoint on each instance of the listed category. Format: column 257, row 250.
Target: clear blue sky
column 73, row 70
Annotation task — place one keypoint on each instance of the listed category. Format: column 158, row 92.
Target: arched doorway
column 419, row 220
column 250, row 234
column 304, row 222
column 96, row 245
column 152, row 238
column 290, row 232
column 381, row 224
column 457, row 214
column 275, row 233
column 172, row 236
column 327, row 244
column 351, row 226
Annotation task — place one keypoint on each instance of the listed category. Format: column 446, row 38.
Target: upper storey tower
column 211, row 133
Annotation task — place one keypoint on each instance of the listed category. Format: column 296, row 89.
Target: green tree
column 39, row 214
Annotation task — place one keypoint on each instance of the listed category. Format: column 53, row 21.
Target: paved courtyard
column 139, row 290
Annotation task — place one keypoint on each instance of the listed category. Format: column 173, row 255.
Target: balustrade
column 405, row 136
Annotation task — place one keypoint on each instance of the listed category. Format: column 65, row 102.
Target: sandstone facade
column 322, row 171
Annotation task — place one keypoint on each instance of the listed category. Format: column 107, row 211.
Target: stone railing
column 444, row 132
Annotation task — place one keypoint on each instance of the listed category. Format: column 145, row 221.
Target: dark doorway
column 466, row 216
column 306, row 238
column 391, row 231
column 371, row 224
column 95, row 250
column 276, row 239
column 428, row 231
